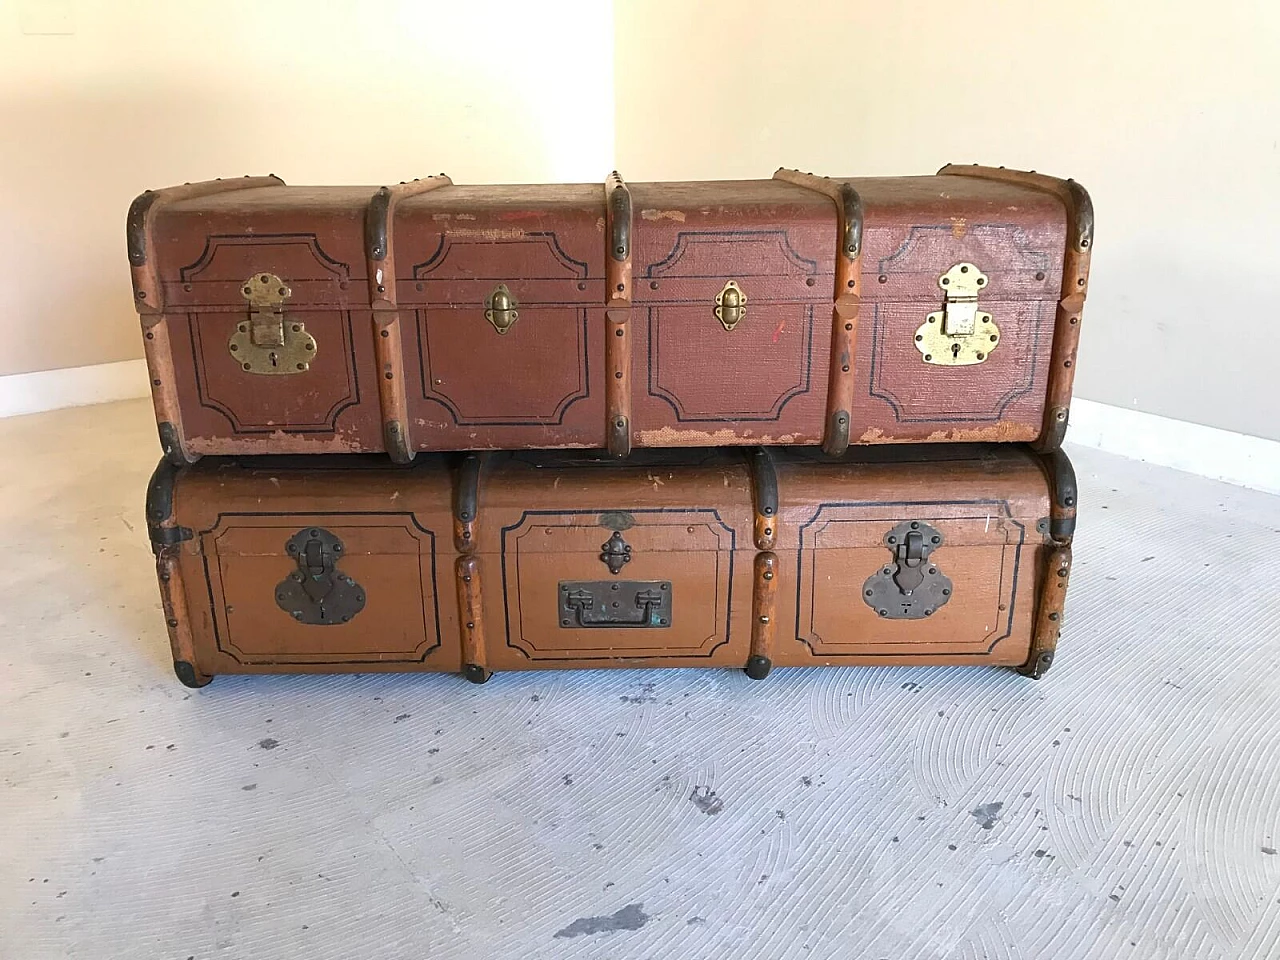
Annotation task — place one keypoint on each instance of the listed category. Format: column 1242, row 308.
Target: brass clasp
column 960, row 334
column 268, row 342
column 731, row 305
column 500, row 308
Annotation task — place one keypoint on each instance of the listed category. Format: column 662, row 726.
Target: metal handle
column 620, row 603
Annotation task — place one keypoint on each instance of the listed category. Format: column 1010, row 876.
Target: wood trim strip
column 147, row 293
column 617, row 349
column 471, row 620
column 1075, row 286
column 158, row 351
column 177, row 617
column 847, row 305
column 764, row 615
column 1053, row 594
column 379, row 222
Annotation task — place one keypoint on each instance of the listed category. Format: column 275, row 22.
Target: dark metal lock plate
column 910, row 586
column 615, row 603
column 269, row 342
column 318, row 592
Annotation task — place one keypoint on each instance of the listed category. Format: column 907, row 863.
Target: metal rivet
column 1039, row 274
column 385, row 333
column 883, row 279
column 809, row 281
column 617, row 375
column 768, row 574
column 387, row 375
column 617, row 333
column 1053, row 616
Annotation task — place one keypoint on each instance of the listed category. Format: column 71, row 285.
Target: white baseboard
column 22, row 393
column 1208, row 451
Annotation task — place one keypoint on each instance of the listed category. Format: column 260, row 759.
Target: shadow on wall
column 78, row 161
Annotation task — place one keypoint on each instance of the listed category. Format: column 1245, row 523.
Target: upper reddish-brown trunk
column 434, row 316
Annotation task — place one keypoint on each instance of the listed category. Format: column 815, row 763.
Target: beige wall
column 147, row 93
column 1167, row 112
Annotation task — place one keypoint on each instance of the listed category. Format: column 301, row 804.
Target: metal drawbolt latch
column 268, row 342
column 500, row 308
column 615, row 603
column 318, row 592
column 731, row 305
column 911, row 587
column 960, row 334
column 614, row 552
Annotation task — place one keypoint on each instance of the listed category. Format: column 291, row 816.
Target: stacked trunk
column 856, row 391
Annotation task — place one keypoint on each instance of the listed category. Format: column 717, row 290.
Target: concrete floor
column 1127, row 806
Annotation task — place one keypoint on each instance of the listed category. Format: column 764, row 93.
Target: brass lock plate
column 500, row 308
column 731, row 305
column 960, row 334
column 910, row 586
column 269, row 342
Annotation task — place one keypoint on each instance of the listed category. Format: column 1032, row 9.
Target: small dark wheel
column 476, row 673
column 758, row 668
column 187, row 675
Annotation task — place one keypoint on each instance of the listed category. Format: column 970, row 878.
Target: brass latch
column 960, row 334
column 268, row 342
column 500, row 308
column 731, row 305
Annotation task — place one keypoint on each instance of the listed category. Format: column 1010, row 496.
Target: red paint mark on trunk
column 778, row 332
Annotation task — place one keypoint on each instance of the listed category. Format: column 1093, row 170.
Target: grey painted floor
column 1127, row 806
